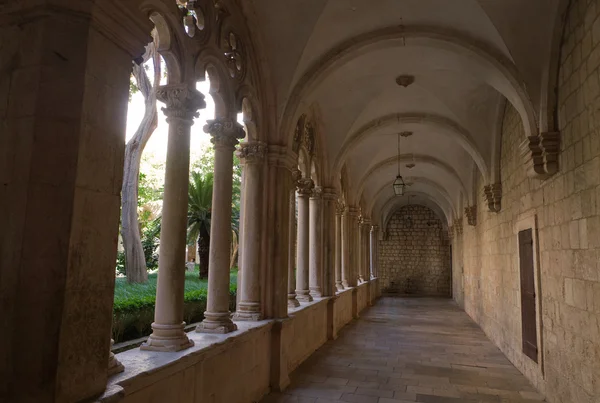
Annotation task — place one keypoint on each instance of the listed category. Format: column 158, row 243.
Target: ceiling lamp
column 399, row 185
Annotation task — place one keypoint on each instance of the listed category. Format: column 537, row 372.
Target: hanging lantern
column 399, row 185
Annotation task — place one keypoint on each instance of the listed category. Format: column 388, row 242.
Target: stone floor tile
column 409, row 350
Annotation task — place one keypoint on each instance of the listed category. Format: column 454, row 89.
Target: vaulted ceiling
column 468, row 58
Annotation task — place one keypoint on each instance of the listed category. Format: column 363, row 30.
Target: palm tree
column 199, row 216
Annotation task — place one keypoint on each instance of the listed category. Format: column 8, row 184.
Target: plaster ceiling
column 342, row 57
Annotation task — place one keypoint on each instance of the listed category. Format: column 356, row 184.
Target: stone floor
column 408, row 350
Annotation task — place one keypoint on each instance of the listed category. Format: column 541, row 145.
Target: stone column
column 361, row 251
column 183, row 102
column 345, row 255
column 329, row 222
column 354, row 245
column 373, row 251
column 315, row 243
column 225, row 132
column 305, row 187
column 114, row 366
column 252, row 156
column 292, row 257
column 338, row 246
column 366, row 250
column 62, row 122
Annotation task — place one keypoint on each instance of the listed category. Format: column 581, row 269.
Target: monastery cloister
column 420, row 202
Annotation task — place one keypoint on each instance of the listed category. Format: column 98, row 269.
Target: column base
column 292, row 301
column 168, row 338
column 248, row 316
column 303, row 296
column 345, row 284
column 114, row 366
column 361, row 279
column 339, row 286
column 316, row 292
column 219, row 323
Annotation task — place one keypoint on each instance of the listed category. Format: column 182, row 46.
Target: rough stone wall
column 567, row 207
column 414, row 256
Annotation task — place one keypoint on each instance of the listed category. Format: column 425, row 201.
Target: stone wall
column 566, row 208
column 414, row 256
column 238, row 367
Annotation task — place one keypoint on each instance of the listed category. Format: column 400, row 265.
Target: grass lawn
column 126, row 294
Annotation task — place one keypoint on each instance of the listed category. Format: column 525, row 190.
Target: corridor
column 408, row 350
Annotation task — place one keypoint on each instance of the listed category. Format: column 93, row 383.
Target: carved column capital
column 329, row 194
column 471, row 213
column 317, row 193
column 305, row 186
column 353, row 211
column 493, row 196
column 225, row 132
column 375, row 228
column 253, row 152
column 540, row 153
column 451, row 232
column 181, row 100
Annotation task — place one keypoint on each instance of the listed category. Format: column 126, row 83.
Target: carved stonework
column 233, row 51
column 493, row 196
column 540, row 153
column 458, row 226
column 305, row 186
column 340, row 208
column 304, row 135
column 182, row 101
column 329, row 194
column 471, row 213
column 224, row 132
column 308, row 139
column 252, row 153
column 317, row 192
column 451, row 232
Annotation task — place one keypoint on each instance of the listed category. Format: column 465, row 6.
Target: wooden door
column 528, row 311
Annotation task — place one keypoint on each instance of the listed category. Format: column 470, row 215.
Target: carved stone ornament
column 458, row 226
column 224, row 132
column 253, row 152
column 540, row 153
column 317, row 192
column 183, row 101
column 298, row 131
column 353, row 211
column 329, row 194
column 305, row 186
column 375, row 228
column 471, row 213
column 451, row 232
column 493, row 196
column 232, row 49
column 339, row 207
column 405, row 80
column 308, row 140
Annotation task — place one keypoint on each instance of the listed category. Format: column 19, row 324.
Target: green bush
column 133, row 310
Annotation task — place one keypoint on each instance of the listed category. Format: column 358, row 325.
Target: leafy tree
column 135, row 262
column 199, row 216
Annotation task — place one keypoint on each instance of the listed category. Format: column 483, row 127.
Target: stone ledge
column 141, row 366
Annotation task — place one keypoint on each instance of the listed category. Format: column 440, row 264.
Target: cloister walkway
column 408, row 350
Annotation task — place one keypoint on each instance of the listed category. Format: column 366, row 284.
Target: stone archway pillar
column 225, row 132
column 315, row 243
column 183, row 102
column 252, row 156
column 345, row 253
column 373, row 249
column 305, row 188
column 292, row 300
column 360, row 252
column 338, row 247
column 62, row 125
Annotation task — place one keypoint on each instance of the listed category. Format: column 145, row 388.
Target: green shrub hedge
column 133, row 310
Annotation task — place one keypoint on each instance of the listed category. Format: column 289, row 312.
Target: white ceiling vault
column 468, row 58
